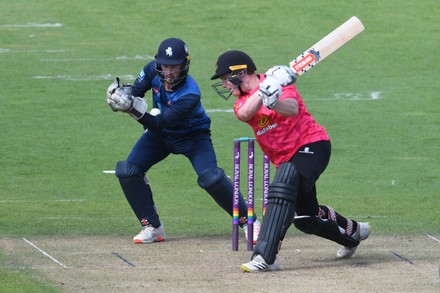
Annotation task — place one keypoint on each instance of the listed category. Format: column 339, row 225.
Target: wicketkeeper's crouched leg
column 219, row 186
column 137, row 190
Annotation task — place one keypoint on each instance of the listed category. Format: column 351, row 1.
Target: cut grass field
column 378, row 97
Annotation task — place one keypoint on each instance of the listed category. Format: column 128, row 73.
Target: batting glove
column 283, row 74
column 270, row 91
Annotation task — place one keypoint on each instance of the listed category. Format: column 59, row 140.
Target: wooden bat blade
column 326, row 46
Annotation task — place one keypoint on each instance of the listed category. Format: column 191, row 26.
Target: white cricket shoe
column 362, row 233
column 258, row 264
column 257, row 227
column 149, row 234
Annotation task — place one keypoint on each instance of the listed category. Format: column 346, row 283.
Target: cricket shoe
column 362, row 233
column 257, row 227
column 149, row 234
column 258, row 264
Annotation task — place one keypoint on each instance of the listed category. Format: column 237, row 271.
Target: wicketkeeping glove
column 112, row 87
column 122, row 100
column 270, row 91
column 283, row 74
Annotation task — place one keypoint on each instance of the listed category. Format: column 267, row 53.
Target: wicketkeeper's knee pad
column 210, row 177
column 219, row 186
column 125, row 169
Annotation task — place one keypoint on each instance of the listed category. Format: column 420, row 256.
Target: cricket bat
column 326, row 46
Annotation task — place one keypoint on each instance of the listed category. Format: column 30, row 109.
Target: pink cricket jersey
column 280, row 137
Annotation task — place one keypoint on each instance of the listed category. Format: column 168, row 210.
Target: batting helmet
column 231, row 61
column 173, row 51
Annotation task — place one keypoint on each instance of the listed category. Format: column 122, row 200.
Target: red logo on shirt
column 263, row 121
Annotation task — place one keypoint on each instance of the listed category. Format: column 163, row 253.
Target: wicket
column 250, row 190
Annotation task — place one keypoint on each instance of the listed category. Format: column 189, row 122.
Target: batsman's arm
column 288, row 102
column 287, row 107
column 247, row 110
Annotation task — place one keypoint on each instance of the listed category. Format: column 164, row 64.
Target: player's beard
column 171, row 80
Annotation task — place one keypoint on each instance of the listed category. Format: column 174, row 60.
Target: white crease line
column 44, row 253
column 219, row 110
column 83, row 78
column 3, row 50
column 375, row 95
column 33, row 25
column 433, row 238
column 137, row 57
column 30, row 201
column 108, row 171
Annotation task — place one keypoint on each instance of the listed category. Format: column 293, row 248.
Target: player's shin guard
column 138, row 192
column 279, row 213
column 329, row 225
column 220, row 187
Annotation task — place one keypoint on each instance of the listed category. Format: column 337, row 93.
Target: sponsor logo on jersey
column 264, row 123
column 266, row 129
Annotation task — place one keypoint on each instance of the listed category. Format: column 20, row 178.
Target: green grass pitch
column 378, row 97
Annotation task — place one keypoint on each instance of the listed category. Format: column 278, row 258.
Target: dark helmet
column 236, row 64
column 231, row 61
column 173, row 51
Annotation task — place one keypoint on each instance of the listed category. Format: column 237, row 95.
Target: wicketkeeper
column 177, row 124
column 299, row 148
